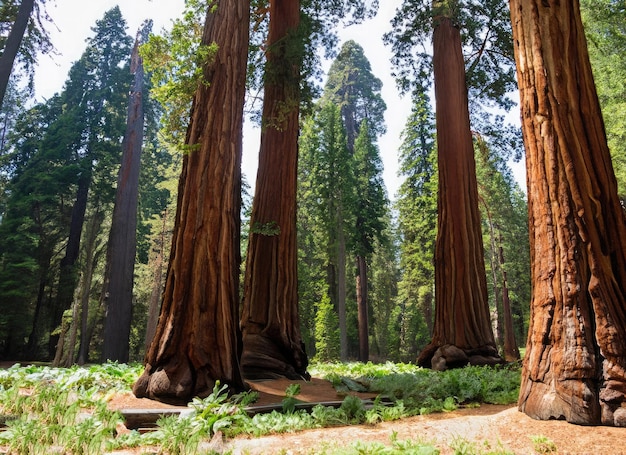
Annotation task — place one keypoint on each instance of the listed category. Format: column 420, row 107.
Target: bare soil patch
column 489, row 426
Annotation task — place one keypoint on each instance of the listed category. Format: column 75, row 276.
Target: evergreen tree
column 202, row 283
column 352, row 86
column 95, row 96
column 504, row 218
column 327, row 191
column 417, row 226
column 32, row 227
column 605, row 29
column 384, row 276
column 272, row 344
column 22, row 37
column 370, row 209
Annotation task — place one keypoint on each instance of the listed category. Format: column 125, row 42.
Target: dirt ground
column 489, row 426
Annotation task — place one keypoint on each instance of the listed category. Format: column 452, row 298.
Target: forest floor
column 482, row 429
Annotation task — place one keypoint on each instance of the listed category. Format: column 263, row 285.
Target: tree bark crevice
column 574, row 367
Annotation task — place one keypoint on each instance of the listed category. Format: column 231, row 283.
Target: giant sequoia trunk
column 575, row 361
column 272, row 345
column 197, row 341
column 122, row 247
column 13, row 43
column 462, row 331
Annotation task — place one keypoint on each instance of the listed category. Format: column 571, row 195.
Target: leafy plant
column 215, row 412
column 290, row 400
column 543, row 444
column 66, row 408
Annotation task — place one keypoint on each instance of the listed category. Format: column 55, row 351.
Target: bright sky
column 75, row 19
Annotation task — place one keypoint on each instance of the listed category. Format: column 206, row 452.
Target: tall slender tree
column 122, row 247
column 353, row 87
column 272, row 344
column 369, row 216
column 575, row 362
column 197, row 341
column 417, row 226
column 95, row 97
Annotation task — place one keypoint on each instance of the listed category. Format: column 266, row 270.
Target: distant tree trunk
column 342, row 287
column 13, row 43
column 272, row 344
column 32, row 347
column 197, row 341
column 65, row 323
column 511, row 350
column 68, row 276
column 92, row 256
column 575, row 362
column 361, row 298
column 122, row 245
column 462, row 331
column 157, row 286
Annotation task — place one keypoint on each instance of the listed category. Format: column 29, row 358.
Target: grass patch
column 63, row 410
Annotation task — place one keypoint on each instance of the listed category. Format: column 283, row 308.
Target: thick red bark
column 197, row 341
column 462, row 330
column 575, row 362
column 272, row 344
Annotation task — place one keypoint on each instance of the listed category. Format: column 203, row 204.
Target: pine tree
column 95, row 98
column 417, row 226
column 326, row 192
column 352, row 86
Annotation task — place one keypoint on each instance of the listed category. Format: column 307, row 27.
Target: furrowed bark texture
column 462, row 331
column 574, row 367
column 197, row 341
column 272, row 344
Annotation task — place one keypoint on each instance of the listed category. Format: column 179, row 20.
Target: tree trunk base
column 448, row 356
column 262, row 358
column 177, row 383
column 575, row 401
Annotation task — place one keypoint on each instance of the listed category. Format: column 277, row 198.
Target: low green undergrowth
column 63, row 410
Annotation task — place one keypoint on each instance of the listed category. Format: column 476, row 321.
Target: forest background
column 401, row 303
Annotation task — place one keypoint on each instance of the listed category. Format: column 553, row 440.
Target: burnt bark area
column 575, row 362
column 197, row 341
column 462, row 332
column 272, row 344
